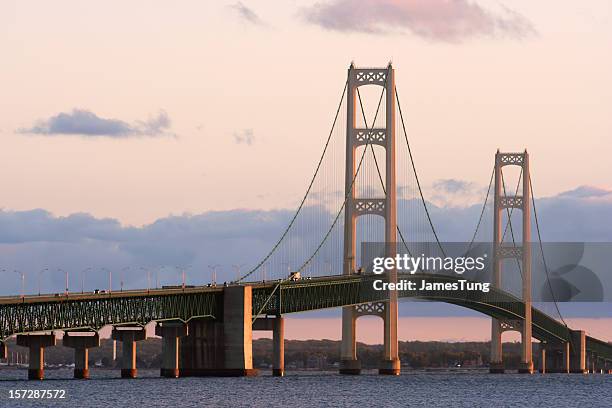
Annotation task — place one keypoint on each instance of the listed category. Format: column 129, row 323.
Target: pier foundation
column 171, row 333
column 222, row 347
column 36, row 344
column 277, row 326
column 81, row 342
column 128, row 336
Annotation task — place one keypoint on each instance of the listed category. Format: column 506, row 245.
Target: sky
column 137, row 133
column 204, row 90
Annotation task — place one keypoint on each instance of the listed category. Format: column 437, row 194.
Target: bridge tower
column 357, row 206
column 520, row 251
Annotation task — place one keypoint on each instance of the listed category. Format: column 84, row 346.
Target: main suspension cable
column 297, row 212
column 484, row 206
column 535, row 215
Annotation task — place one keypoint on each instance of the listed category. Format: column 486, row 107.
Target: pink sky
column 369, row 330
column 218, row 73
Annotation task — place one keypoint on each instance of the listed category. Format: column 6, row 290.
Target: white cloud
column 85, row 123
column 436, row 20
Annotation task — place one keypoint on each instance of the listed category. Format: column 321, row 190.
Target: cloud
column 244, row 136
column 587, row 192
column 246, row 14
column 453, row 185
column 32, row 240
column 454, row 192
column 85, row 123
column 435, row 20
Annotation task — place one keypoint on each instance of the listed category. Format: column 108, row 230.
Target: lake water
column 316, row 389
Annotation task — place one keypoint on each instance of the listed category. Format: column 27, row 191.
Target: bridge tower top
column 367, row 137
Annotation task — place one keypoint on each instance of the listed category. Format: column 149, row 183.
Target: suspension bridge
column 207, row 330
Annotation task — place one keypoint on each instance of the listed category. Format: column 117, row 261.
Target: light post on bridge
column 22, row 274
column 83, row 278
column 123, row 270
column 182, row 270
column 237, row 269
column 66, row 279
column 148, row 272
column 39, row 275
column 213, row 273
column 110, row 278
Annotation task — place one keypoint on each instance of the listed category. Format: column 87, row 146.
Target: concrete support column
column 496, row 365
column 578, row 352
column 202, row 351
column 3, row 351
column 543, row 358
column 128, row 336
column 556, row 357
column 237, row 331
column 567, row 364
column 277, row 326
column 171, row 333
column 278, row 349
column 81, row 342
column 600, row 365
column 348, row 348
column 36, row 343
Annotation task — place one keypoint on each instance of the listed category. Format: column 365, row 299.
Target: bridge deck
column 95, row 310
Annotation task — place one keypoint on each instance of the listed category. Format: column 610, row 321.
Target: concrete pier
column 201, row 351
column 554, row 358
column 237, row 331
column 277, row 326
column 128, row 336
column 577, row 352
column 36, row 343
column 496, row 366
column 81, row 342
column 3, row 351
column 222, row 347
column 171, row 333
column 278, row 348
column 348, row 348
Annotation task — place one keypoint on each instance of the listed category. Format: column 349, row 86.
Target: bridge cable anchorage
column 416, row 176
column 284, row 234
column 484, row 206
column 535, row 215
column 348, row 192
column 509, row 212
column 382, row 183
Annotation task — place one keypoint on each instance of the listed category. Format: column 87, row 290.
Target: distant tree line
column 309, row 354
